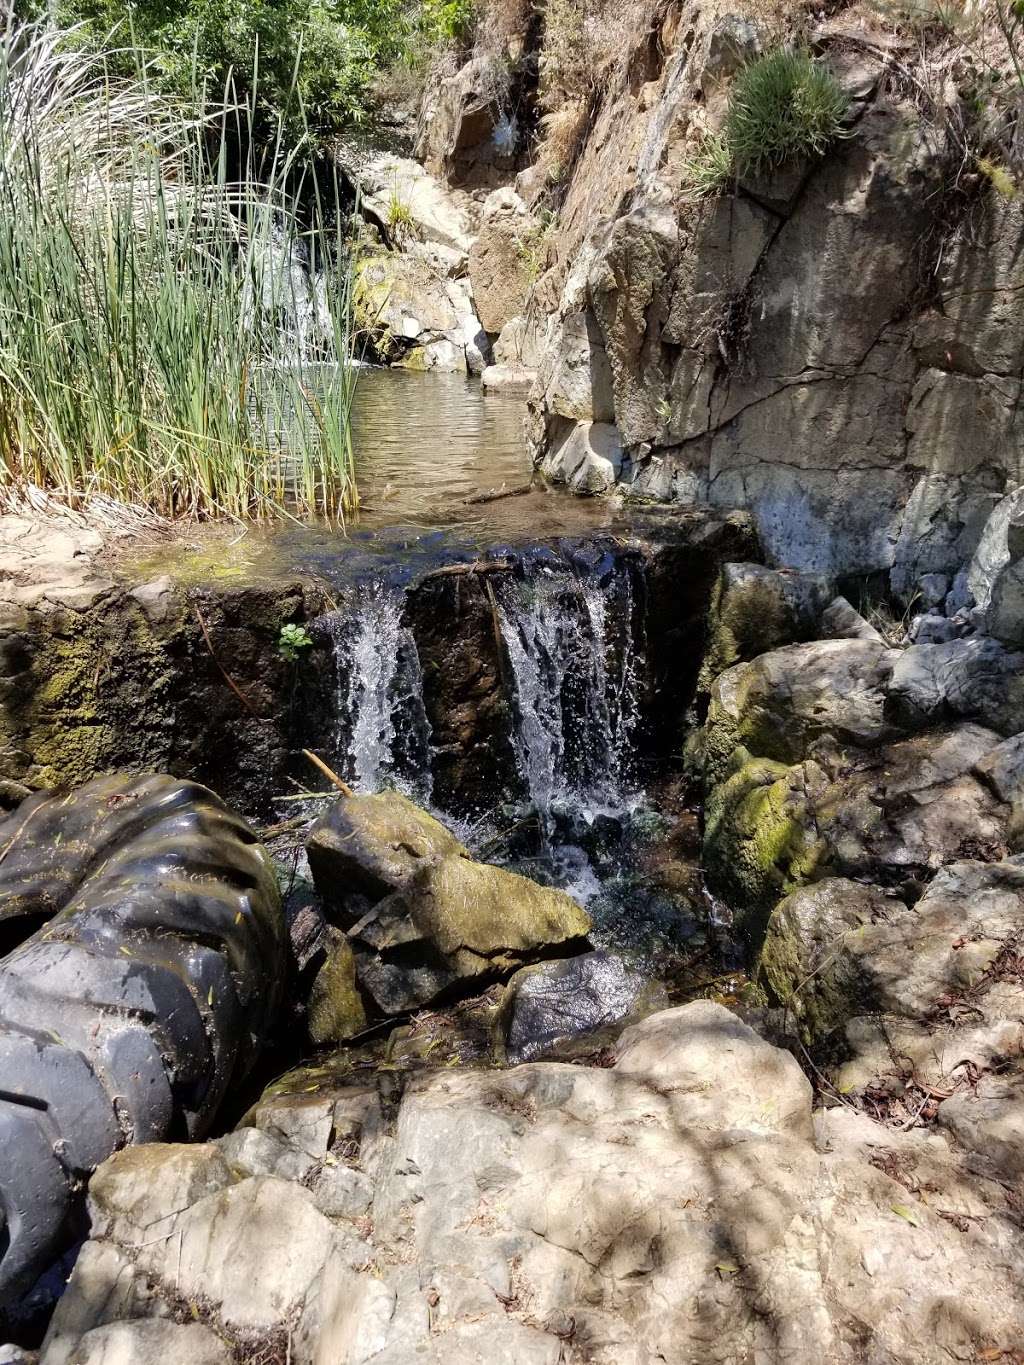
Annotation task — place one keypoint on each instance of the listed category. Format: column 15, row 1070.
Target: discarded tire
column 126, row 1015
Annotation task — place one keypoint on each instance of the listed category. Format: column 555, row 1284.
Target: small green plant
column 708, row 173
column 292, row 641
column 399, row 215
column 998, row 177
column 782, row 106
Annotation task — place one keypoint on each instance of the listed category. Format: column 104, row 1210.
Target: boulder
column 589, row 459
column 975, row 678
column 454, row 922
column 559, row 1008
column 335, row 1011
column 370, row 846
column 842, row 621
column 145, row 995
column 406, row 314
column 1001, row 543
column 755, row 609
column 893, row 815
column 778, row 705
column 500, row 260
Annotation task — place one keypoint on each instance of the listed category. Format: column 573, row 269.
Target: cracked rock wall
column 836, row 348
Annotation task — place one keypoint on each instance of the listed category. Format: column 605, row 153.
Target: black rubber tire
column 145, row 992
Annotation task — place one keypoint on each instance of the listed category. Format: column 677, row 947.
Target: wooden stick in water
column 329, row 773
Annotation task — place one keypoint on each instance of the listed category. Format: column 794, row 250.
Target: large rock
column 756, row 609
column 500, row 259
column 335, row 1011
column 927, row 993
column 893, row 814
column 558, row 1008
column 465, row 136
column 976, row 677
column 370, row 846
column 142, row 999
column 672, row 1206
column 777, row 705
column 589, row 459
column 456, row 922
column 407, row 314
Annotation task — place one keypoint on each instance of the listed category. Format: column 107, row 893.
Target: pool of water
column 428, row 448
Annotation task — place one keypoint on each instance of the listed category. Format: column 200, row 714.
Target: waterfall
column 381, row 734
column 574, row 646
column 296, row 295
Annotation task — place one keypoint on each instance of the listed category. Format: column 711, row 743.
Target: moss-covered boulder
column 809, row 963
column 370, row 846
column 892, row 815
column 457, row 922
column 759, row 840
column 779, row 705
column 755, row 609
column 336, row 1011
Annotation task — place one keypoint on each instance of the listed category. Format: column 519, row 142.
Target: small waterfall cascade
column 574, row 643
column 381, row 733
column 297, row 296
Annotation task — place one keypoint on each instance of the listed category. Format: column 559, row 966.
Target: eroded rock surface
column 675, row 1205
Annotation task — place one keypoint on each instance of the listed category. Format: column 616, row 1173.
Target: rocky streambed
column 655, row 994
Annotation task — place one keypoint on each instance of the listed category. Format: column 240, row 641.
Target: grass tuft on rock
column 783, row 106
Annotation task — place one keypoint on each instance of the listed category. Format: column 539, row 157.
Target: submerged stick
column 329, row 773
column 496, row 495
column 477, row 566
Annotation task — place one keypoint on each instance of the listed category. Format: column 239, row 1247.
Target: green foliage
column 709, row 171
column 783, row 105
column 307, row 64
column 142, row 356
column 292, row 641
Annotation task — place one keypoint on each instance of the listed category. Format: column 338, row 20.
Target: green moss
column 756, row 847
column 336, row 1011
column 746, row 619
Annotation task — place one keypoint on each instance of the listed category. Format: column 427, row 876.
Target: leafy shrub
column 305, row 64
column 783, row 105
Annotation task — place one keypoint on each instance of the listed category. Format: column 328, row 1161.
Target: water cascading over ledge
column 517, row 679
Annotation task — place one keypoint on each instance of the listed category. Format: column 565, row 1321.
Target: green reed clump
column 151, row 313
column 782, row 106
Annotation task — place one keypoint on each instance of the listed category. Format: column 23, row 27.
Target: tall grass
column 148, row 300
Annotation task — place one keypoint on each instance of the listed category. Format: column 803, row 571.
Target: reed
column 156, row 339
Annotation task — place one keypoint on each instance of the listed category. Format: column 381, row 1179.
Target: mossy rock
column 336, row 1011
column 372, row 845
column 758, row 843
column 806, row 965
column 755, row 609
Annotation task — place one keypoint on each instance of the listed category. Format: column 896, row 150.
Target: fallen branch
column 224, row 673
column 329, row 773
column 477, row 566
column 497, row 494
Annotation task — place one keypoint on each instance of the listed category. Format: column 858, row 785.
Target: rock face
column 147, row 991
column 672, row 1206
column 740, row 359
column 500, row 259
column 97, row 676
